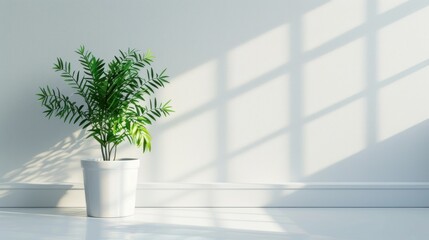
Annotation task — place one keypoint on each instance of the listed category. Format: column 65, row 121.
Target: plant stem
column 110, row 151
column 114, row 157
column 102, row 152
column 106, row 150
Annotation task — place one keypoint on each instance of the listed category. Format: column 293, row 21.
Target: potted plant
column 114, row 104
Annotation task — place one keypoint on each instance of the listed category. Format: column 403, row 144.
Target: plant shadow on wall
column 41, row 163
column 45, row 165
column 46, row 176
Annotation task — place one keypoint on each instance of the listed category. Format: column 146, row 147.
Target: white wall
column 265, row 92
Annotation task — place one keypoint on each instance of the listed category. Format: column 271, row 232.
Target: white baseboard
column 355, row 194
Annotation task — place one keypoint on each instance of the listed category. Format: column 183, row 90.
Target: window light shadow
column 294, row 69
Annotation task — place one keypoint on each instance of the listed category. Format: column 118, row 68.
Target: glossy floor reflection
column 218, row 223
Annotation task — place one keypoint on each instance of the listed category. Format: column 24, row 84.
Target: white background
column 265, row 92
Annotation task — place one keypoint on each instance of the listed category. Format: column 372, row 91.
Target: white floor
column 218, row 223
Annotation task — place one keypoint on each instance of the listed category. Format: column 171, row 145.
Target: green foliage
column 112, row 96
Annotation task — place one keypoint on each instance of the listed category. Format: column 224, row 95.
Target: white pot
column 110, row 187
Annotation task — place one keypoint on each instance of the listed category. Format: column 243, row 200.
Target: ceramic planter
column 110, row 187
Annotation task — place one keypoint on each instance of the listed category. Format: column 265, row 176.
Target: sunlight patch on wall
column 386, row 5
column 403, row 104
column 334, row 77
column 403, row 44
column 257, row 113
column 262, row 162
column 333, row 137
column 330, row 20
column 259, row 56
column 191, row 146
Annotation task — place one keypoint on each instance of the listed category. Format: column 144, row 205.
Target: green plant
column 111, row 98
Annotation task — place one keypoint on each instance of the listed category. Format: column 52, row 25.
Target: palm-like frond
column 59, row 105
column 112, row 96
